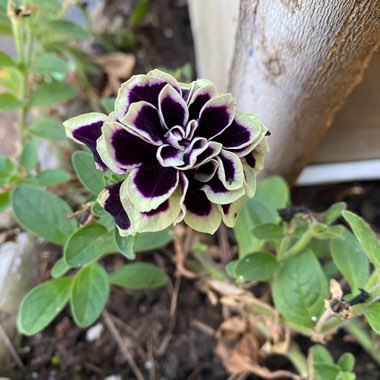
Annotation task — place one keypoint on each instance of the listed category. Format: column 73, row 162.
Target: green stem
column 18, row 36
column 299, row 360
column 300, row 244
column 373, row 280
column 357, row 329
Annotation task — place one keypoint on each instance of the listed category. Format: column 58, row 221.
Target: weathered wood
column 214, row 24
column 295, row 63
column 355, row 133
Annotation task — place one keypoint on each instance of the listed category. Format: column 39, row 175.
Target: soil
column 166, row 347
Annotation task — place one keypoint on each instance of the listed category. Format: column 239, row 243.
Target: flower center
column 176, row 138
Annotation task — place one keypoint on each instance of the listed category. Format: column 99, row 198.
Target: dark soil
column 166, row 347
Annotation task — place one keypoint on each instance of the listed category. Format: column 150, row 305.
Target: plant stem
column 298, row 359
column 300, row 244
column 356, row 328
column 373, row 280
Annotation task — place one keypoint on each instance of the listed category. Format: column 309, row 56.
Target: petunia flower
column 187, row 153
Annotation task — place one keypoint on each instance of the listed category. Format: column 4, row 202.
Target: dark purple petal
column 130, row 150
column 162, row 208
column 250, row 159
column 237, row 135
column 200, row 97
column 88, row 136
column 113, row 205
column 216, row 116
column 143, row 120
column 169, row 156
column 197, row 202
column 172, row 107
column 206, row 171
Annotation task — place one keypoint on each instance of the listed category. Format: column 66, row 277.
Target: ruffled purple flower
column 187, row 153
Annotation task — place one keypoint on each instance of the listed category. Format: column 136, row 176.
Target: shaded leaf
column 48, row 128
column 52, row 177
column 299, row 289
column 59, row 268
column 350, row 259
column 42, row 213
column 138, row 276
column 87, row 244
column 89, row 294
column 152, row 240
column 268, row 231
column 9, row 102
column 53, row 93
column 87, row 173
column 334, row 212
column 5, row 200
column 42, row 304
column 372, row 313
column 125, row 244
column 29, row 156
column 365, row 235
column 258, row 266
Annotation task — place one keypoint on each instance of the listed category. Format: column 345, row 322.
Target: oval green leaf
column 42, row 304
column 372, row 313
column 350, row 259
column 125, row 244
column 59, row 268
column 48, row 128
column 299, row 289
column 84, row 167
column 52, row 177
column 268, row 231
column 42, row 213
column 89, row 294
column 9, row 102
column 365, row 235
column 138, row 276
column 152, row 240
column 87, row 244
column 258, row 266
column 53, row 93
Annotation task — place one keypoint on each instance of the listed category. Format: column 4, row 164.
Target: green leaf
column 139, row 276
column 59, row 268
column 12, row 79
column 5, row 200
column 62, row 30
column 51, row 5
column 5, row 25
column 98, row 210
column 48, row 128
column 350, row 259
column 273, row 192
column 326, row 371
column 42, row 304
column 152, row 240
column 299, row 289
column 51, row 64
column 89, row 294
column 84, row 167
column 334, row 212
column 231, row 268
column 9, row 102
column 7, row 169
column 252, row 214
column 53, row 93
column 29, row 156
column 268, row 231
column 138, row 13
column 346, row 362
column 52, row 177
column 372, row 313
column 258, row 266
column 125, row 244
column 42, row 213
column 87, row 244
column 321, row 355
column 6, row 60
column 365, row 235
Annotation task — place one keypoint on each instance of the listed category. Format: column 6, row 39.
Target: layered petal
column 217, row 193
column 138, row 88
column 122, row 151
column 157, row 219
column 205, row 92
column 168, row 156
column 230, row 212
column 110, row 200
column 201, row 214
column 86, row 129
column 230, row 170
column 206, row 171
column 199, row 152
column 244, row 130
column 143, row 120
column 216, row 115
column 173, row 109
column 169, row 79
column 150, row 185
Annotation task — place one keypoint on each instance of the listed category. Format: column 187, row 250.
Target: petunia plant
column 182, row 152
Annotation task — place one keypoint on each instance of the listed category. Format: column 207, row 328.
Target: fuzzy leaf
column 258, row 266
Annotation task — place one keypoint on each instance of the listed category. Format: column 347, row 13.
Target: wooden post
column 295, row 63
